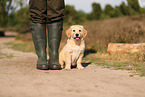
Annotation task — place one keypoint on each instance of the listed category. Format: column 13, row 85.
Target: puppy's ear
column 68, row 32
column 85, row 33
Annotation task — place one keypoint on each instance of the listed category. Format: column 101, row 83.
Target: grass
column 118, row 62
column 22, row 46
column 23, row 43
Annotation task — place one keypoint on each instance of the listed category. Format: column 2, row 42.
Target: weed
column 117, row 62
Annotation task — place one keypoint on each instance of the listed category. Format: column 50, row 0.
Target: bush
column 20, row 19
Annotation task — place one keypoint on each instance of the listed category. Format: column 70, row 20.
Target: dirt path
column 20, row 78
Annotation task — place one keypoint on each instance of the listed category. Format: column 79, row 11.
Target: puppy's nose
column 77, row 35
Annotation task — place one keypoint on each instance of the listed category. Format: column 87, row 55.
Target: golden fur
column 73, row 51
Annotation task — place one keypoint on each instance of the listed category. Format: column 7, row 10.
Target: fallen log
column 2, row 33
column 123, row 48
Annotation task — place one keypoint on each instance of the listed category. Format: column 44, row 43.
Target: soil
column 20, row 78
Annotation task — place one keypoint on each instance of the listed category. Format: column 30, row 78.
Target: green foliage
column 142, row 10
column 124, row 9
column 96, row 10
column 20, row 19
column 104, row 16
column 109, row 10
column 117, row 12
column 112, row 12
column 96, row 13
column 133, row 4
column 5, row 6
column 7, row 11
column 71, row 16
column 81, row 16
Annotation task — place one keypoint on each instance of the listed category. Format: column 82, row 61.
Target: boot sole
column 55, row 67
column 42, row 67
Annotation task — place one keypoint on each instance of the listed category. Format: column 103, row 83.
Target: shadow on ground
column 86, row 64
column 89, row 51
column 83, row 64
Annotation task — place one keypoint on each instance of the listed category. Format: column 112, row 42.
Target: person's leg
column 38, row 11
column 39, row 38
column 55, row 10
column 38, row 28
column 54, row 38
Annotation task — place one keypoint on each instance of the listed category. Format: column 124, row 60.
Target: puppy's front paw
column 80, row 67
column 67, row 68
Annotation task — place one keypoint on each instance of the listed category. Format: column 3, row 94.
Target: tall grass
column 128, row 29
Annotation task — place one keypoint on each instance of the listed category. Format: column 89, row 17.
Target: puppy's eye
column 73, row 30
column 80, row 30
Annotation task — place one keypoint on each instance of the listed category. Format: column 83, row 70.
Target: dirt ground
column 20, row 78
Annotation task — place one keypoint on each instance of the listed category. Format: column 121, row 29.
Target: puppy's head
column 76, row 32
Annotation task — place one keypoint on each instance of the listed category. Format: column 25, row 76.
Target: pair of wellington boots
column 40, row 42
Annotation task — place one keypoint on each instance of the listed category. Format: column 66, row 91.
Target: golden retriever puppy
column 73, row 51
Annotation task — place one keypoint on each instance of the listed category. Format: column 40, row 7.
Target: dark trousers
column 46, row 11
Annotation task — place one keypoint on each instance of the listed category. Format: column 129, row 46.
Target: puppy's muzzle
column 77, row 36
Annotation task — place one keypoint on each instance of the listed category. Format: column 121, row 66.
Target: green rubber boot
column 40, row 43
column 54, row 38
